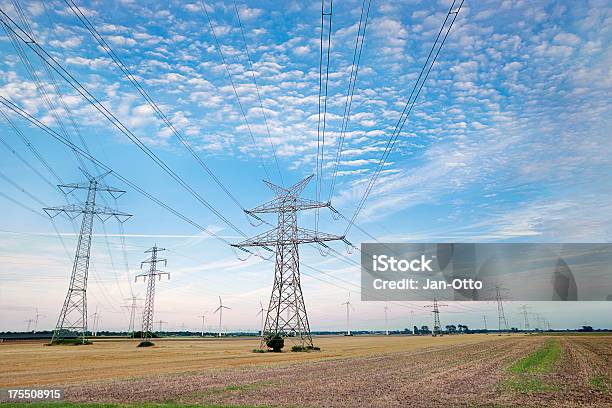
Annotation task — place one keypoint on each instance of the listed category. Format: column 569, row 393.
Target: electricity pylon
column 348, row 316
column 29, row 322
column 263, row 316
column 485, row 324
column 386, row 321
column 73, row 316
column 203, row 316
column 160, row 323
column 501, row 317
column 525, row 317
column 96, row 317
column 436, row 311
column 36, row 317
column 151, row 274
column 132, row 307
column 220, row 310
column 286, row 315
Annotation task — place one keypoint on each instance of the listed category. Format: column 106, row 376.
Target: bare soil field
column 370, row 371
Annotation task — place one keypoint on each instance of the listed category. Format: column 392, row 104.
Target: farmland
column 473, row 370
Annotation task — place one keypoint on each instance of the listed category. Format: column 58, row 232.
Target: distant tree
column 424, row 330
column 586, row 329
column 416, row 330
column 451, row 328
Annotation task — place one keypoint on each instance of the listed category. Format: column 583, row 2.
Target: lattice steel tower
column 436, row 311
column 73, row 316
column 286, row 314
column 501, row 316
column 149, row 276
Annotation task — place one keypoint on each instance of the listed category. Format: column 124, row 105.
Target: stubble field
column 373, row 371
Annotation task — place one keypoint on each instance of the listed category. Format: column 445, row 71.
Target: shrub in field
column 146, row 344
column 304, row 349
column 275, row 342
column 69, row 342
column 258, row 351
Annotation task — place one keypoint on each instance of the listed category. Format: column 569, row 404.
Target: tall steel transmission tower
column 73, row 316
column 502, row 322
column 525, row 317
column 133, row 306
column 149, row 276
column 286, row 314
column 436, row 311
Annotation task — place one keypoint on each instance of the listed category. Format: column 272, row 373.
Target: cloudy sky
column 508, row 142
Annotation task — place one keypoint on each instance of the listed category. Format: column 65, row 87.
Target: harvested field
column 374, row 371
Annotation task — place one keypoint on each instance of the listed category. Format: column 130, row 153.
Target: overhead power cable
column 322, row 116
column 111, row 53
column 414, row 94
column 231, row 79
column 10, row 105
column 359, row 40
column 56, row 66
column 263, row 111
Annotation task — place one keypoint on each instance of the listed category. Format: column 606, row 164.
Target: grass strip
column 526, row 371
column 601, row 383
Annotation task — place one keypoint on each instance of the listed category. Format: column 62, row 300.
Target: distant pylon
column 502, row 322
column 261, row 312
column 96, row 318
column 436, row 311
column 286, row 315
column 149, row 276
column 29, row 321
column 160, row 323
column 203, row 316
column 73, row 316
column 485, row 324
column 386, row 321
column 348, row 316
column 36, row 317
column 133, row 306
column 525, row 317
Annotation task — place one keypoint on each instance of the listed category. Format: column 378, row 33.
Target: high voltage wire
column 53, row 63
column 231, row 79
column 351, row 88
column 414, row 94
column 322, row 96
column 263, row 112
column 103, row 166
column 111, row 53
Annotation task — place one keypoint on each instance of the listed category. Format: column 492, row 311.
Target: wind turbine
column 220, row 310
column 261, row 312
column 348, row 318
column 203, row 317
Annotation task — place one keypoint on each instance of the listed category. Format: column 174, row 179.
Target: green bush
column 146, row 344
column 275, row 342
column 258, row 351
column 304, row 349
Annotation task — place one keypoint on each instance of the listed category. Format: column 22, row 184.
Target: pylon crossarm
column 284, row 204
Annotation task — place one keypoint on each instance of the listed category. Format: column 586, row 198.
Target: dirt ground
column 373, row 371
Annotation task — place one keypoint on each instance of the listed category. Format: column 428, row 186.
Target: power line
column 351, row 88
column 322, row 97
column 117, row 60
column 105, row 167
column 231, row 79
column 263, row 111
column 416, row 90
column 47, row 58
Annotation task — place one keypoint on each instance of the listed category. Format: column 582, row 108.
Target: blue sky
column 509, row 141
